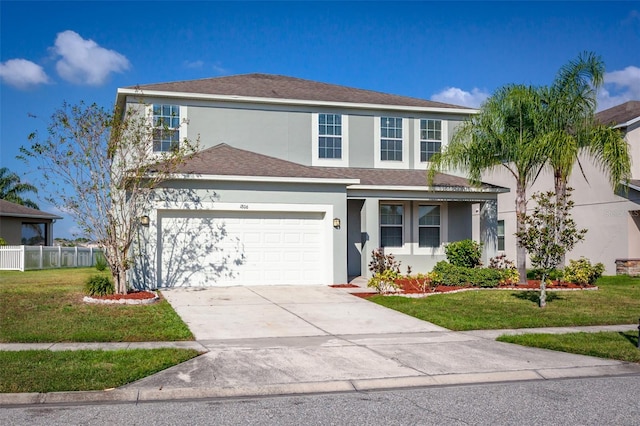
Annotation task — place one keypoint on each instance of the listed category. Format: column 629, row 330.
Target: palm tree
column 503, row 134
column 11, row 189
column 569, row 128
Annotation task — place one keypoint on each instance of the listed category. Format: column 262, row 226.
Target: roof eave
column 123, row 92
column 439, row 188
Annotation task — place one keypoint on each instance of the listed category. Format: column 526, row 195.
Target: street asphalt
column 285, row 340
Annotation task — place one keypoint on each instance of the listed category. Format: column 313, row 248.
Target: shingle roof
column 620, row 114
column 225, row 160
column 16, row 210
column 283, row 87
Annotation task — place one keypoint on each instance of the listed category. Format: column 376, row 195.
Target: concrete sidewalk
column 293, row 340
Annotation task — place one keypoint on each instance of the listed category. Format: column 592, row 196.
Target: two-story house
column 297, row 182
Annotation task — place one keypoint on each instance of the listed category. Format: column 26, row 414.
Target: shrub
column 101, row 262
column 386, row 270
column 460, row 275
column 381, row 262
column 553, row 275
column 464, row 253
column 582, row 272
column 3, row 242
column 99, row 285
column 509, row 272
column 384, row 282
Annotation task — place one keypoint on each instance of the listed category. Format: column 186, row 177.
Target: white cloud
column 21, row 73
column 456, row 96
column 193, row 64
column 84, row 61
column 619, row 87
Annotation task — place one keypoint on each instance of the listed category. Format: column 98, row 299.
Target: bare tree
column 100, row 166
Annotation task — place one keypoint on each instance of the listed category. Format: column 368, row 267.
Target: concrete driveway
column 285, row 311
column 300, row 339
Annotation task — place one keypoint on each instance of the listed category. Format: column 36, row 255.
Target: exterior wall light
column 144, row 220
column 336, row 223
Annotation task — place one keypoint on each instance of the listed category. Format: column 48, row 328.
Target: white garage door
column 243, row 248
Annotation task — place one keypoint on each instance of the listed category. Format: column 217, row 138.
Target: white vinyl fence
column 22, row 258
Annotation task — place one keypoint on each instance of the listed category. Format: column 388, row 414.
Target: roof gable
column 17, row 210
column 283, row 87
column 620, row 114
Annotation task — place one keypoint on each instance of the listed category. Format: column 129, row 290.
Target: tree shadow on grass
column 631, row 336
column 534, row 296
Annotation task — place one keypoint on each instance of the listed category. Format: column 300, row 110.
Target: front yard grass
column 613, row 345
column 85, row 370
column 46, row 306
column 616, row 302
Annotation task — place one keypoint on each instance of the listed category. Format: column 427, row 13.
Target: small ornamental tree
column 549, row 234
column 100, row 167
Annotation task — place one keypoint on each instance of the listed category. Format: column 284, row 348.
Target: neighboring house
column 21, row 225
column 298, row 182
column 612, row 219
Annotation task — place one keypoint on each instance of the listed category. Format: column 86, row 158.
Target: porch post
column 489, row 229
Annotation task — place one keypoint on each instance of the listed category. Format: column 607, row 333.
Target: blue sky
column 456, row 52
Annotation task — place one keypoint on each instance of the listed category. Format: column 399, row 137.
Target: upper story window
column 329, row 136
column 390, row 139
column 430, row 138
column 428, row 226
column 166, row 125
column 391, row 225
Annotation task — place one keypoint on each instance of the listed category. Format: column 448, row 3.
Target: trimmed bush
column 99, row 285
column 465, row 253
column 461, row 276
column 581, row 271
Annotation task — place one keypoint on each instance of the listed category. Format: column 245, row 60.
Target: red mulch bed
column 133, row 295
column 411, row 287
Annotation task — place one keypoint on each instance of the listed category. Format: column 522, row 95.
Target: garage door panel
column 256, row 248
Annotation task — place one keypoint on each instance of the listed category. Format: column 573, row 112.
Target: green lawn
column 616, row 302
column 47, row 306
column 53, row 371
column 621, row 346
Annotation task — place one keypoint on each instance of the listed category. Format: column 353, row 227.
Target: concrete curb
column 122, row 395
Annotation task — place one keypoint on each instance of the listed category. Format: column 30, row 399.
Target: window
column 390, row 139
column 33, row 234
column 391, row 216
column 329, row 136
column 429, row 226
column 166, row 123
column 501, row 235
column 430, row 138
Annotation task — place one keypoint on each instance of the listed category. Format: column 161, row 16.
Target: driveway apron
column 297, row 339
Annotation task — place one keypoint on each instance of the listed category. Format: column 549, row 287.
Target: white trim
column 276, row 101
column 627, row 124
column 277, row 179
column 377, row 161
column 444, row 126
column 329, row 162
